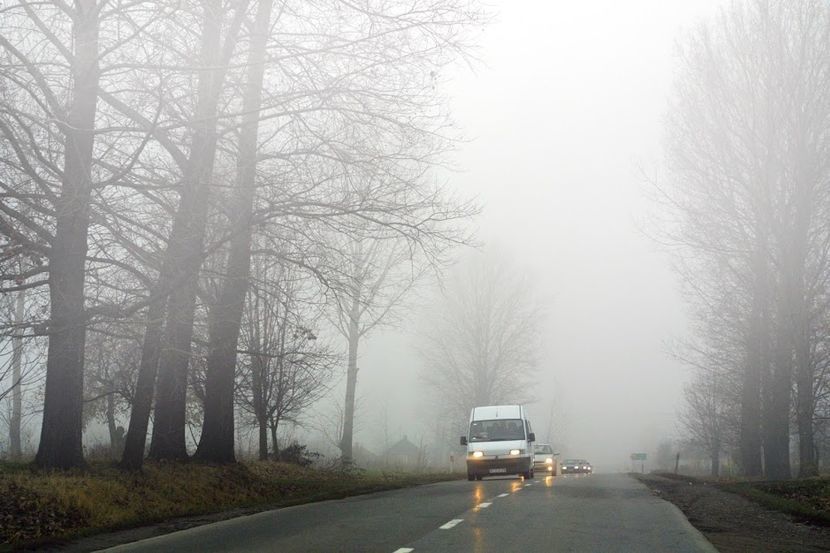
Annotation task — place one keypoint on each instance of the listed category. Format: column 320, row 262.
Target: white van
column 499, row 441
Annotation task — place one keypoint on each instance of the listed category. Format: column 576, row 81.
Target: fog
column 335, row 225
column 563, row 115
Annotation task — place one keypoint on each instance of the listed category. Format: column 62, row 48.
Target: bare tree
column 482, row 340
column 145, row 146
column 184, row 256
column 216, row 442
column 70, row 33
column 375, row 125
column 326, row 117
column 748, row 158
column 711, row 413
column 287, row 365
column 112, row 357
column 378, row 274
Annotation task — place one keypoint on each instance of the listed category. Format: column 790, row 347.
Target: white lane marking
column 484, row 505
column 451, row 523
column 503, row 494
column 404, row 550
column 526, row 485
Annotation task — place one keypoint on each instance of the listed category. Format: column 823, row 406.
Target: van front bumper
column 495, row 466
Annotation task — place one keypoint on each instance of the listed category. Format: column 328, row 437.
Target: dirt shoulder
column 735, row 524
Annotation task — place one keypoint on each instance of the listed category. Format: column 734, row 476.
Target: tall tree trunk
column 185, row 249
column 168, row 438
column 777, row 411
column 15, row 420
column 804, row 373
column 756, row 363
column 258, row 369
column 801, row 327
column 714, row 455
column 274, row 445
column 169, row 424
column 115, row 436
column 136, row 438
column 750, row 428
column 263, row 439
column 217, row 439
column 61, row 430
column 807, row 465
column 346, row 441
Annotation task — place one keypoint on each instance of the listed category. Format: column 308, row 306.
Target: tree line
column 191, row 190
column 748, row 198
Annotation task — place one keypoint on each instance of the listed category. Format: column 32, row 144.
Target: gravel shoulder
column 735, row 524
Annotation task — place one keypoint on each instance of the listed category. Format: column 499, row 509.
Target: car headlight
column 549, row 461
column 478, row 454
column 515, row 452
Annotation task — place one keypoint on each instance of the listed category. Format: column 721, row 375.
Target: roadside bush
column 298, row 454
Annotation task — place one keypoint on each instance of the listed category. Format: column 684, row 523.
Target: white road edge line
column 526, row 485
column 503, row 494
column 484, row 505
column 404, row 550
column 451, row 523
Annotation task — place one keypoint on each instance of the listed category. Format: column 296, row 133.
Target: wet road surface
column 572, row 513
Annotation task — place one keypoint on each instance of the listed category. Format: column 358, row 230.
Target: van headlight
column 515, row 452
column 549, row 461
column 478, row 454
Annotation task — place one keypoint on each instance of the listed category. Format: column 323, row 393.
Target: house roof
column 404, row 448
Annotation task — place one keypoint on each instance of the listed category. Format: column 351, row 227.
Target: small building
column 404, row 454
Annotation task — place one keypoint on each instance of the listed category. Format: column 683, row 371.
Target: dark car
column 576, row 466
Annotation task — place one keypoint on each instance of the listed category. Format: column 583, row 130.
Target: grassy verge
column 41, row 507
column 807, row 499
column 679, row 477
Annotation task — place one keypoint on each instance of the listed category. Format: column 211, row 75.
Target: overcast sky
column 564, row 115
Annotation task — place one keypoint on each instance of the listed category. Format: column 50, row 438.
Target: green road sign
column 638, row 456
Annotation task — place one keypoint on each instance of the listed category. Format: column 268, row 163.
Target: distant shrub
column 298, row 454
column 98, row 452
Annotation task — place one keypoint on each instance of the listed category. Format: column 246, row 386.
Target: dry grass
column 48, row 506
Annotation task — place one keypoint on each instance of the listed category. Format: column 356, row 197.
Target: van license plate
column 498, row 470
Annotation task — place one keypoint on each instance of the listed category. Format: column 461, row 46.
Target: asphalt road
column 591, row 513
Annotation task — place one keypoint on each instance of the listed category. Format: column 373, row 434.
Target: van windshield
column 497, row 430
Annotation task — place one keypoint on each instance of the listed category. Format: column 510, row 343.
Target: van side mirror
column 531, row 437
column 557, row 454
column 463, row 440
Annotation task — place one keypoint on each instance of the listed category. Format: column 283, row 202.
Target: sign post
column 642, row 458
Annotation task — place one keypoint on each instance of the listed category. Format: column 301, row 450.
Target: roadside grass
column 48, row 507
column 807, row 499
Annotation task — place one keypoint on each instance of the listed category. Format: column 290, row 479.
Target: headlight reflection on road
column 516, row 485
column 478, row 540
column 549, row 481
